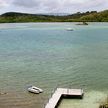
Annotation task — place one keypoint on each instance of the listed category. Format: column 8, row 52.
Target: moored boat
column 34, row 89
column 69, row 29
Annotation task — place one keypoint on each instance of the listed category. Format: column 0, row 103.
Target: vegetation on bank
column 93, row 16
column 105, row 104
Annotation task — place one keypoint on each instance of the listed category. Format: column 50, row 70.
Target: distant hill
column 15, row 14
column 93, row 16
column 49, row 14
column 55, row 14
column 100, row 17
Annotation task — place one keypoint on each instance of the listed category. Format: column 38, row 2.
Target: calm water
column 48, row 56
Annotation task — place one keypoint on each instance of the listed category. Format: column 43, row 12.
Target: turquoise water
column 49, row 56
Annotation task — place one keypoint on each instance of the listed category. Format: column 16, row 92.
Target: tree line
column 92, row 16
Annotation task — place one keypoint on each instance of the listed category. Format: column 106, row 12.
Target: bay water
column 46, row 55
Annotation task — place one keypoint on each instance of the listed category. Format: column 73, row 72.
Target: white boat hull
column 35, row 90
column 69, row 29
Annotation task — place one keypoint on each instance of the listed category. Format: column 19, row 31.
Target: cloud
column 2, row 3
column 45, row 3
column 60, row 5
column 56, row 6
column 27, row 3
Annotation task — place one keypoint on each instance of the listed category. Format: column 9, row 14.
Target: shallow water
column 49, row 56
column 92, row 99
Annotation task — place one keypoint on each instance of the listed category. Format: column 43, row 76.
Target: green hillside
column 98, row 17
column 93, row 16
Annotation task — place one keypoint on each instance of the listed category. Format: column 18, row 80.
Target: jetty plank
column 59, row 93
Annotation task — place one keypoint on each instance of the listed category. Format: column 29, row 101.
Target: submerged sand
column 11, row 99
column 19, row 100
column 92, row 99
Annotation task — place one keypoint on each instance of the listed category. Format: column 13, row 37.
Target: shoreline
column 29, row 100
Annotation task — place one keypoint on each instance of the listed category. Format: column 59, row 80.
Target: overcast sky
column 52, row 6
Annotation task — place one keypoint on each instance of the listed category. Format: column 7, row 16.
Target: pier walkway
column 63, row 93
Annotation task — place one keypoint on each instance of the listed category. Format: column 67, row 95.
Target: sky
column 52, row 6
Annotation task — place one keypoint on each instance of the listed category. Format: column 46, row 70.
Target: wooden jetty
column 61, row 93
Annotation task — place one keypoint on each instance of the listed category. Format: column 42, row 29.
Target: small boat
column 34, row 89
column 69, row 29
column 82, row 23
